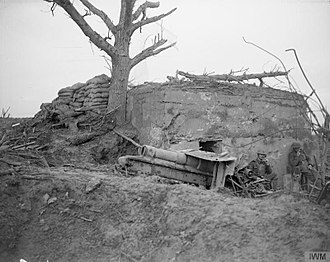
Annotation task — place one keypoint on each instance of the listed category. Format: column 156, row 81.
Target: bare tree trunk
column 118, row 87
column 129, row 22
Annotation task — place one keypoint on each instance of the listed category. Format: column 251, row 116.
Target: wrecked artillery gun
column 208, row 169
column 203, row 168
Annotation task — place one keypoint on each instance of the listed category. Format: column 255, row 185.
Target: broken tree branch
column 100, row 14
column 150, row 51
column 3, row 139
column 231, row 77
column 86, row 219
column 150, row 20
column 163, row 48
column 9, row 162
column 143, row 8
column 324, row 111
column 127, row 138
column 52, row 9
column 292, row 89
column 24, row 145
column 94, row 37
column 87, row 13
column 250, row 43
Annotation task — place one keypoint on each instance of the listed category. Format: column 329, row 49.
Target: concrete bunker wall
column 247, row 118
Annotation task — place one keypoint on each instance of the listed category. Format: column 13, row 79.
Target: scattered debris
column 51, row 200
column 26, row 204
column 93, row 184
column 45, row 198
column 86, row 219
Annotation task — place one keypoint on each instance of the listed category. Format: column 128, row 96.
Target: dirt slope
column 53, row 216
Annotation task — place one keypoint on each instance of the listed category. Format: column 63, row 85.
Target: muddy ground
column 80, row 206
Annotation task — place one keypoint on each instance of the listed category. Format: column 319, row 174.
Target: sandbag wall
column 93, row 94
column 77, row 103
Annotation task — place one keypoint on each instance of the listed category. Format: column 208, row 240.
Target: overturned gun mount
column 192, row 166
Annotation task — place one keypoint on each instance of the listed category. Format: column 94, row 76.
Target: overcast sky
column 41, row 53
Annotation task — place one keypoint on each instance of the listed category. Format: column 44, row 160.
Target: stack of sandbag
column 93, row 94
column 96, row 92
column 79, row 100
column 96, row 96
column 65, row 95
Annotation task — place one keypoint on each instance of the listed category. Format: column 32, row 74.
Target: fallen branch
column 127, row 138
column 3, row 139
column 232, row 77
column 9, row 162
column 203, row 78
column 42, row 147
column 24, row 145
column 86, row 219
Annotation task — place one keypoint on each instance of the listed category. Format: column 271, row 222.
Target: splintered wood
column 22, row 136
column 231, row 77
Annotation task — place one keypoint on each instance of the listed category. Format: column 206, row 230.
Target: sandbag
column 64, row 100
column 77, row 86
column 76, row 104
column 101, row 100
column 101, row 79
column 96, row 96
